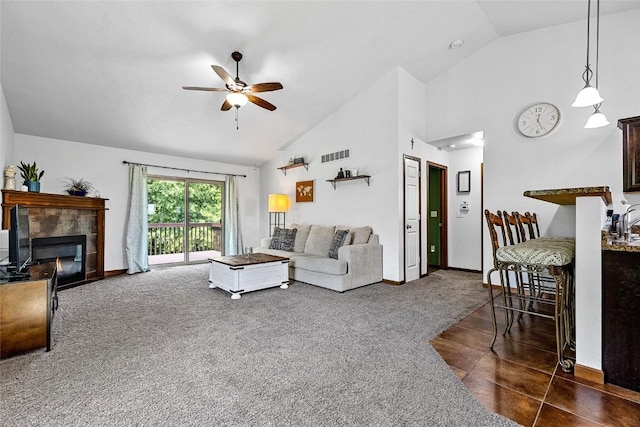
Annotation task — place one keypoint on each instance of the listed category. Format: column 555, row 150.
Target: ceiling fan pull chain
column 237, row 118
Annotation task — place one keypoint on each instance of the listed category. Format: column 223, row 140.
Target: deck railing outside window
column 168, row 238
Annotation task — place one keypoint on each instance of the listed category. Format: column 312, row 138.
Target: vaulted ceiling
column 110, row 72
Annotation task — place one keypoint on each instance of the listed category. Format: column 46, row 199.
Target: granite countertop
column 612, row 243
column 567, row 196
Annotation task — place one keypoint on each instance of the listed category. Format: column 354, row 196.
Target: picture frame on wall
column 464, row 182
column 304, row 191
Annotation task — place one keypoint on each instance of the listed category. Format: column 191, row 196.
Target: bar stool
column 542, row 256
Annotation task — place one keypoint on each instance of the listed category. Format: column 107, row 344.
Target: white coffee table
column 238, row 274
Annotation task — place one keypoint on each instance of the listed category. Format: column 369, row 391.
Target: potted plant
column 78, row 187
column 31, row 176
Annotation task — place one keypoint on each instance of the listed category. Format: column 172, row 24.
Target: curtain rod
column 182, row 169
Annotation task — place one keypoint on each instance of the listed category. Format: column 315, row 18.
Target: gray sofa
column 358, row 263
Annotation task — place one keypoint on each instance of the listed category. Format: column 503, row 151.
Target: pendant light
column 597, row 119
column 589, row 95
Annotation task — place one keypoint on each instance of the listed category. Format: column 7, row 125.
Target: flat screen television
column 19, row 239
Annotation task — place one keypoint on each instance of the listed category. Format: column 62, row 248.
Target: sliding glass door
column 185, row 220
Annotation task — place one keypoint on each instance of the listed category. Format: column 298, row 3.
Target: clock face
column 538, row 119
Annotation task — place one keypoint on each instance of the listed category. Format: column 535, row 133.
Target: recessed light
column 456, row 44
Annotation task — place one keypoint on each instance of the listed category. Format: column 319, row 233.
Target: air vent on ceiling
column 337, row 155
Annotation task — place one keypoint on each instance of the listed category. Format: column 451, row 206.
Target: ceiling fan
column 238, row 91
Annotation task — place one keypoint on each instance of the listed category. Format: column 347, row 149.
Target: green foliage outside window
column 166, row 206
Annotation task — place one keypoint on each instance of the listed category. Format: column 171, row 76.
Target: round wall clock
column 538, row 119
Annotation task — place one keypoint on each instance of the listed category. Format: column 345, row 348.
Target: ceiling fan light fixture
column 237, row 99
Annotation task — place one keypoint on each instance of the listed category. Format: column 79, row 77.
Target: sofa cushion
column 301, row 236
column 319, row 240
column 349, row 238
column 361, row 234
column 276, row 252
column 283, row 239
column 338, row 240
column 320, row 264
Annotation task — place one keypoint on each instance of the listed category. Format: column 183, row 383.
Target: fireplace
column 67, row 251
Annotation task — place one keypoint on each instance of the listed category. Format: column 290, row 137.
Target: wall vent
column 337, row 155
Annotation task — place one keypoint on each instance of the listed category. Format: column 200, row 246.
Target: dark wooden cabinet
column 26, row 311
column 630, row 153
column 621, row 318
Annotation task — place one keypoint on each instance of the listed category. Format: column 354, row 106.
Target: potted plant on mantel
column 78, row 187
column 31, row 176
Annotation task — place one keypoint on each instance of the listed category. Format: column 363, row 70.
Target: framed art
column 464, row 181
column 304, row 191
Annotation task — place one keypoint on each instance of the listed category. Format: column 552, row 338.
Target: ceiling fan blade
column 226, row 77
column 210, row 89
column 260, row 102
column 226, row 106
column 265, row 87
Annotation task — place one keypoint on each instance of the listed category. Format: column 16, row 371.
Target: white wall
column 368, row 126
column 488, row 89
column 6, row 136
column 411, row 115
column 377, row 127
column 465, row 227
column 103, row 167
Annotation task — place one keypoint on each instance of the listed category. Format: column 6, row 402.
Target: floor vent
column 338, row 155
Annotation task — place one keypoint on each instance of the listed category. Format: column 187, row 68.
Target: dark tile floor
column 519, row 379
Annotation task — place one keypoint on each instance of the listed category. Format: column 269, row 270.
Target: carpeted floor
column 162, row 349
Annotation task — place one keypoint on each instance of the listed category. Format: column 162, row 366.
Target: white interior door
column 412, row 219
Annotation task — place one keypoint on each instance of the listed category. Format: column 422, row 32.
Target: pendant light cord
column 586, row 76
column 597, row 41
column 597, row 106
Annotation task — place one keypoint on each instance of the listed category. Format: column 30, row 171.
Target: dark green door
column 434, row 221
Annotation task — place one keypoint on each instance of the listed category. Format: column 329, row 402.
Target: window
column 185, row 220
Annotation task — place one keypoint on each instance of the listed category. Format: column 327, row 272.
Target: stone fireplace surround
column 54, row 215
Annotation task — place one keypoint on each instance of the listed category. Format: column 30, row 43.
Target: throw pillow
column 348, row 240
column 338, row 240
column 283, row 239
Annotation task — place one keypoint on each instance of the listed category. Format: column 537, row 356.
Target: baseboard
column 112, row 273
column 587, row 373
column 468, row 270
column 392, row 282
column 494, row 286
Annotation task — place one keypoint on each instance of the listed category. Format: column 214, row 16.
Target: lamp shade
column 237, row 99
column 278, row 203
column 587, row 97
column 596, row 120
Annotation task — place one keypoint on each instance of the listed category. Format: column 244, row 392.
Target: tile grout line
column 546, row 393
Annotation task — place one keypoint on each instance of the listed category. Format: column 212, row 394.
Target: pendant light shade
column 587, row 97
column 596, row 120
column 237, row 99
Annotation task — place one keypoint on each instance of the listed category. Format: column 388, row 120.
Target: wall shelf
column 295, row 165
column 335, row 180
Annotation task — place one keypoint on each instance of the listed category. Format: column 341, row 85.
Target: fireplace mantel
column 53, row 215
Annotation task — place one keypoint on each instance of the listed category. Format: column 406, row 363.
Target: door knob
column 408, row 227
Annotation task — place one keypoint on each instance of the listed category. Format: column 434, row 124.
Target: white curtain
column 137, row 222
column 232, row 235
